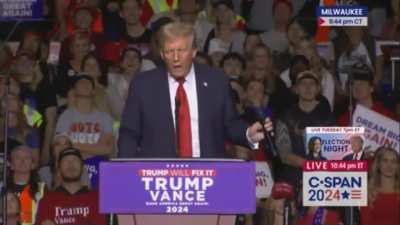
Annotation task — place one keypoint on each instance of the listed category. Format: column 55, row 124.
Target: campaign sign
column 335, row 183
column 342, row 15
column 334, row 141
column 177, row 187
column 21, row 9
column 379, row 130
column 264, row 180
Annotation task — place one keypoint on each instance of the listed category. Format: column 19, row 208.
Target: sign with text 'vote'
column 177, row 187
column 335, row 183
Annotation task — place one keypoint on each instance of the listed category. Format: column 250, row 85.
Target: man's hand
column 255, row 132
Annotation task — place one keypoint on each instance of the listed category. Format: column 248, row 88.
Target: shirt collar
column 189, row 79
column 84, row 189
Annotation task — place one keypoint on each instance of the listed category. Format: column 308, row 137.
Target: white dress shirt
column 191, row 92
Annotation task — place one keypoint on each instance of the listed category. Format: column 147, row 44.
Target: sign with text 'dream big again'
column 21, row 9
column 335, row 183
column 177, row 187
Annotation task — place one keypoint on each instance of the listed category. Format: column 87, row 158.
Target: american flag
column 355, row 194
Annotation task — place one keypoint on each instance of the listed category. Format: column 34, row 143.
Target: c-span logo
column 342, row 16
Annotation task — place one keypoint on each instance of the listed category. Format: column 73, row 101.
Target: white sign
column 264, row 181
column 379, row 130
column 335, row 183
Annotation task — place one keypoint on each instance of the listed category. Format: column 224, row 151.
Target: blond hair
column 176, row 30
column 375, row 176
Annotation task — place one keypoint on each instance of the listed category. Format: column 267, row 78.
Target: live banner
column 177, row 187
column 335, row 183
column 21, row 9
column 335, row 141
column 379, row 130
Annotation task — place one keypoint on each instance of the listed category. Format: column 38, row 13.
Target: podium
column 176, row 191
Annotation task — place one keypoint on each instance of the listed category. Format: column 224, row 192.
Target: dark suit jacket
column 351, row 155
column 147, row 128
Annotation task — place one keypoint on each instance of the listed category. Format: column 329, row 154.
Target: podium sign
column 177, row 187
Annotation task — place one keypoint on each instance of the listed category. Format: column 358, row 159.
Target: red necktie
column 184, row 130
column 356, row 156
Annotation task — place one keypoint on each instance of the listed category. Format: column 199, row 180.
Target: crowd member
column 290, row 128
column 264, row 70
column 79, row 47
column 39, row 99
column 13, row 209
column 118, row 84
column 383, row 189
column 90, row 130
column 234, row 65
column 18, row 128
column 252, row 40
column 308, row 48
column 188, row 12
column 71, row 202
column 95, row 69
column 134, row 33
column 362, row 93
column 155, row 48
column 276, row 38
column 50, row 174
column 225, row 30
column 353, row 45
column 24, row 182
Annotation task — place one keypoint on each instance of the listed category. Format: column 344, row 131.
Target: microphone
column 260, row 117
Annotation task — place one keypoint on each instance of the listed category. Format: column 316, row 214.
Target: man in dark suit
column 182, row 110
column 356, row 143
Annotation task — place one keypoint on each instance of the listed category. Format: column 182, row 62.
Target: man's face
column 178, row 55
column 362, row 90
column 307, row 89
column 356, row 144
column 130, row 12
column 84, row 88
column 71, row 168
column 21, row 161
column 83, row 19
column 232, row 67
column 31, row 44
column 130, row 63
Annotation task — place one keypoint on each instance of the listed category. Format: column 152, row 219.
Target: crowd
column 65, row 101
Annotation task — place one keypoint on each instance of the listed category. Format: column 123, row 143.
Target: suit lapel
column 165, row 106
column 203, row 95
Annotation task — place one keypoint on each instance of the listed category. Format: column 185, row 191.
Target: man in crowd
column 72, row 203
column 89, row 129
column 24, row 183
column 190, row 114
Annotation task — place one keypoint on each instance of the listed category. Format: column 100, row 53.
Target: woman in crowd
column 383, row 189
column 18, row 128
column 264, row 71
column 92, row 67
column 79, row 47
column 118, row 84
column 39, row 99
column 225, row 31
